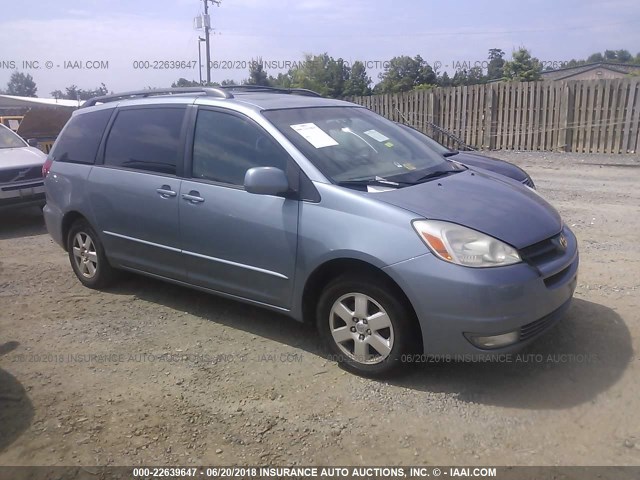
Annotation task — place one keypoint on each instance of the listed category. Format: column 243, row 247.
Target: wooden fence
column 594, row 116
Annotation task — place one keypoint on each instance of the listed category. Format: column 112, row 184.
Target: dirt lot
column 150, row 373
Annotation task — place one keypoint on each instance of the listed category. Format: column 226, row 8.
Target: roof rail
column 213, row 92
column 268, row 89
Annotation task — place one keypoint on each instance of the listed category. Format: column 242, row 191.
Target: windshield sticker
column 376, row 135
column 314, row 135
column 388, row 144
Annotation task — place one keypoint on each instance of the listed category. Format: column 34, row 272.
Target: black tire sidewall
column 401, row 315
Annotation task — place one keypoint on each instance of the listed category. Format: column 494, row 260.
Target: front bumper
column 24, row 194
column 451, row 301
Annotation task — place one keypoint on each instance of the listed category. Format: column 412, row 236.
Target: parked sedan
column 21, row 182
column 473, row 159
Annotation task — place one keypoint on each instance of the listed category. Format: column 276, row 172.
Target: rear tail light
column 46, row 167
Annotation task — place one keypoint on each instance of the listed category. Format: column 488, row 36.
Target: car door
column 134, row 191
column 234, row 241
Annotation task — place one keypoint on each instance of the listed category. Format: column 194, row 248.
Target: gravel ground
column 150, row 373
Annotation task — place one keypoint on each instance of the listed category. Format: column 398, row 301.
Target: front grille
column 543, row 251
column 13, row 175
column 532, row 329
column 529, row 183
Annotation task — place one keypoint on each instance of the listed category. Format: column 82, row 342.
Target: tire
column 87, row 256
column 384, row 329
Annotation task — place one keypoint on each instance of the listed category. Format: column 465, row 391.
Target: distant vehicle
column 21, row 181
column 473, row 159
column 312, row 207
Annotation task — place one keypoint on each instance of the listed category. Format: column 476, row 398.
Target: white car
column 21, row 182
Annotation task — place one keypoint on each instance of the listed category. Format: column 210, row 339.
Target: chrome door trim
column 199, row 255
column 235, row 264
column 113, row 234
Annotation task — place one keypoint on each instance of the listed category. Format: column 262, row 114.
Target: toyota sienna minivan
column 313, row 207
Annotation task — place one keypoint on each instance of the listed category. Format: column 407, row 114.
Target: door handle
column 193, row 197
column 165, row 191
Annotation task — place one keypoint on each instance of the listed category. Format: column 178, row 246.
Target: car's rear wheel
column 366, row 324
column 87, row 256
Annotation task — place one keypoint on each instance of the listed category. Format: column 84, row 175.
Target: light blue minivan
column 313, row 207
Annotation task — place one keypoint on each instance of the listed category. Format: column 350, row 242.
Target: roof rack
column 213, row 92
column 267, row 89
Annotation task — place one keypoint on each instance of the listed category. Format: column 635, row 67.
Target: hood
column 498, row 207
column 20, row 157
column 492, row 164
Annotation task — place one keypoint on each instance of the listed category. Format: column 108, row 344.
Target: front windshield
column 352, row 143
column 8, row 139
column 428, row 141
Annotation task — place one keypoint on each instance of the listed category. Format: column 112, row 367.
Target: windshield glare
column 353, row 143
column 430, row 142
column 8, row 139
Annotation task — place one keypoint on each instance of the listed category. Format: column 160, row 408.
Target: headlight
column 464, row 246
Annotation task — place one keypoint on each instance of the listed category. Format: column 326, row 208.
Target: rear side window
column 145, row 139
column 80, row 138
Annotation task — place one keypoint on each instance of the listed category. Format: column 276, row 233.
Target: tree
column 496, row 64
column 282, row 80
column 404, row 74
column 72, row 92
column 623, row 56
column 183, row 82
column 445, row 80
column 359, row 82
column 610, row 55
column 257, row 75
column 595, row 58
column 21, row 85
column 320, row 73
column 522, row 67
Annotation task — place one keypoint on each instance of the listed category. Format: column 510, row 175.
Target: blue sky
column 121, row 32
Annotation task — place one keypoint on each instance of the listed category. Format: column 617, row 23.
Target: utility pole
column 200, row 40
column 207, row 28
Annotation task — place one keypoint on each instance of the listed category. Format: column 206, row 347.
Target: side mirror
column 33, row 142
column 266, row 181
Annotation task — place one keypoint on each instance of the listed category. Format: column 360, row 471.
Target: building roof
column 12, row 101
column 563, row 73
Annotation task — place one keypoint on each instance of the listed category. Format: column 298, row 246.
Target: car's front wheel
column 87, row 256
column 366, row 324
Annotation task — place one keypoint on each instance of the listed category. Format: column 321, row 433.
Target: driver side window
column 225, row 146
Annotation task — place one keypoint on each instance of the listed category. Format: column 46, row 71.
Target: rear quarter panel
column 65, row 188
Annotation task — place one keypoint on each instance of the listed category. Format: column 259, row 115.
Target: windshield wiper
column 437, row 174
column 383, row 182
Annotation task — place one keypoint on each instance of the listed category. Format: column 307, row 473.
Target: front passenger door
column 234, row 241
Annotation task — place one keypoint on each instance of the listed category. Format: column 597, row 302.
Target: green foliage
column 473, row 76
column 21, row 85
column 282, row 80
column 404, row 74
column 522, row 67
column 444, row 80
column 183, row 82
column 74, row 93
column 623, row 56
column 496, row 64
column 257, row 74
column 358, row 83
column 320, row 73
